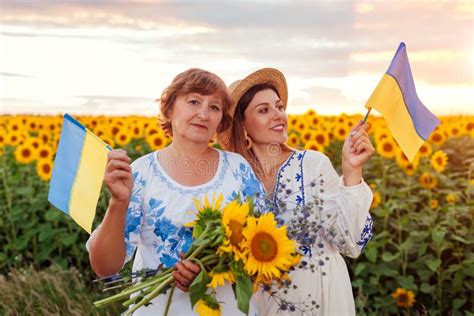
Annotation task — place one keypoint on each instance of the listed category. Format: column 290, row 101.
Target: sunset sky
column 115, row 57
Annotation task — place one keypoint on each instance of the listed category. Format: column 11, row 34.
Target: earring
column 248, row 141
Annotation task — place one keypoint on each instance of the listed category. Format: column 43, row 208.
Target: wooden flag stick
column 366, row 116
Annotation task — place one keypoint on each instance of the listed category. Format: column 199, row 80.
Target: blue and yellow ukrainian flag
column 409, row 121
column 78, row 172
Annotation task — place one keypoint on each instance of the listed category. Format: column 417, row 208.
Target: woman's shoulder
column 315, row 158
column 143, row 162
column 234, row 159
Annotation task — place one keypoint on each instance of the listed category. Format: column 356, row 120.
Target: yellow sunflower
column 451, row 198
column 219, row 278
column 314, row 121
column 439, row 160
column 115, row 129
column 307, row 135
column 45, row 152
column 25, row 153
column 151, row 129
column 433, row 203
column 137, row 130
column 208, row 306
column 209, row 207
column 269, row 249
column 410, row 168
column 382, row 134
column 314, row 145
column 301, row 126
column 44, row 168
column 14, row 138
column 321, row 137
column 425, row 150
column 340, row 131
column 3, row 137
column 437, row 137
column 123, row 137
column 376, row 200
column 293, row 140
column 156, row 141
column 428, row 180
column 387, row 148
column 45, row 137
column 401, row 159
column 404, row 298
column 233, row 219
column 454, row 131
column 469, row 127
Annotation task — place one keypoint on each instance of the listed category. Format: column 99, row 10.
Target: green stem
column 131, row 290
column 150, row 296
column 168, row 303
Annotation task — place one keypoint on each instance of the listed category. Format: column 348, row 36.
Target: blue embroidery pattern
column 134, row 212
column 367, row 233
column 250, row 185
column 214, row 186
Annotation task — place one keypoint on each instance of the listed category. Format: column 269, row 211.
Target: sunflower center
column 43, row 153
column 436, row 137
column 158, row 141
column 387, row 147
column 46, row 168
column 320, row 139
column 236, row 233
column 402, row 298
column 26, row 153
column 264, row 247
column 439, row 161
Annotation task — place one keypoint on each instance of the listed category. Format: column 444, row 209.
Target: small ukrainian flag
column 78, row 172
column 409, row 120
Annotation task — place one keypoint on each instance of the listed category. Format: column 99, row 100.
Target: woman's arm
column 107, row 246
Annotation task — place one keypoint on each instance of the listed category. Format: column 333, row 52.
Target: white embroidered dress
column 327, row 219
column 160, row 207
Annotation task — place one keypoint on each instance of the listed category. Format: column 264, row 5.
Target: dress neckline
column 216, row 176
column 277, row 176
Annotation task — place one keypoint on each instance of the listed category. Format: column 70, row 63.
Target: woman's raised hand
column 118, row 175
column 357, row 148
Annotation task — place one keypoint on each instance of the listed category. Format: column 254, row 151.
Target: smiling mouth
column 278, row 128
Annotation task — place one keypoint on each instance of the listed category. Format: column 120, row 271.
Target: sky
column 116, row 57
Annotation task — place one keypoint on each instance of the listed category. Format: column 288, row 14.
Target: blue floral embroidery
column 168, row 260
column 134, row 213
column 164, row 228
column 367, row 233
column 250, row 184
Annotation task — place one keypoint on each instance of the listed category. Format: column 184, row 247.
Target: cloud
column 9, row 74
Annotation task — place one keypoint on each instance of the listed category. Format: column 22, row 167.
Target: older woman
column 327, row 215
column 151, row 198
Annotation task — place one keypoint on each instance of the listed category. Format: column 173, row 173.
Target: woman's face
column 265, row 119
column 196, row 117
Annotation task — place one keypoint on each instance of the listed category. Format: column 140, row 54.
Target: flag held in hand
column 409, row 121
column 78, row 172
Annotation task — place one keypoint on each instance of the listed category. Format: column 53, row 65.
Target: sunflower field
column 420, row 260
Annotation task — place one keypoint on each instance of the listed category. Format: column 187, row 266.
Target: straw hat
column 270, row 76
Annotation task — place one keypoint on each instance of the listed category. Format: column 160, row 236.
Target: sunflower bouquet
column 233, row 244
